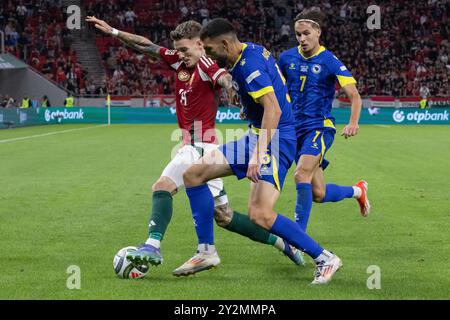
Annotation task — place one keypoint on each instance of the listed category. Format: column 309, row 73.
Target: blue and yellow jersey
column 256, row 73
column 311, row 82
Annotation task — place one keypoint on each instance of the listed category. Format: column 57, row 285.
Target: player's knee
column 303, row 174
column 164, row 185
column 261, row 216
column 318, row 194
column 223, row 215
column 192, row 177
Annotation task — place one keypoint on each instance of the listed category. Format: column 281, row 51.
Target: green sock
column 242, row 225
column 161, row 214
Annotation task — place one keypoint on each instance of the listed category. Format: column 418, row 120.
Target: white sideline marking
column 383, row 125
column 50, row 133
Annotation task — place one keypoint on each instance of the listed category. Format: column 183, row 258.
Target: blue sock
column 334, row 193
column 202, row 205
column 304, row 204
column 292, row 233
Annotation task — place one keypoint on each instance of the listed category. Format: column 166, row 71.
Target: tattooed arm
column 134, row 41
column 225, row 81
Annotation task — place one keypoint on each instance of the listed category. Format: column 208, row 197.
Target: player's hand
column 100, row 25
column 254, row 168
column 350, row 130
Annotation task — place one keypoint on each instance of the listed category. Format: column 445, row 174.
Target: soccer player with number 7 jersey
column 311, row 72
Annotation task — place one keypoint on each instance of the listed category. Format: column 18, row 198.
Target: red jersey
column 197, row 96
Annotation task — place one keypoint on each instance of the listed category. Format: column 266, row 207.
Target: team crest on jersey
column 303, row 68
column 235, row 85
column 316, row 68
column 266, row 54
column 183, row 75
column 266, row 159
column 243, row 62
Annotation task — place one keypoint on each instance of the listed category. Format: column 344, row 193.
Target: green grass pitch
column 77, row 197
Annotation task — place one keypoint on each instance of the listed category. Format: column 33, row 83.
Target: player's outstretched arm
column 134, row 41
column 355, row 99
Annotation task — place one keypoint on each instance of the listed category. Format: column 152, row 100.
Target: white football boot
column 199, row 262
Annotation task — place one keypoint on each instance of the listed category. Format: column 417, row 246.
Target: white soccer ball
column 126, row 269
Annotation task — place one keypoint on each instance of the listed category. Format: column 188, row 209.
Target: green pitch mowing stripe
column 76, row 198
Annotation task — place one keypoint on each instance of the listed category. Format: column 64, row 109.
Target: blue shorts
column 315, row 142
column 277, row 161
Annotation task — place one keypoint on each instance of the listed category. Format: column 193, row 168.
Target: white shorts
column 184, row 158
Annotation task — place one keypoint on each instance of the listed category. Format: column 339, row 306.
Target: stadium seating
column 40, row 37
column 410, row 50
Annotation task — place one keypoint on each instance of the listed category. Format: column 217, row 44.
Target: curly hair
column 186, row 30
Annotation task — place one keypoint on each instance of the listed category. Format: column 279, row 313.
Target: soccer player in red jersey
column 198, row 84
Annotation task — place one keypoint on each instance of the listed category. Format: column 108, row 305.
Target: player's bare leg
column 150, row 252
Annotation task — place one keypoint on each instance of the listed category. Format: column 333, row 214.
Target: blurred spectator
column 45, row 102
column 69, row 101
column 26, row 103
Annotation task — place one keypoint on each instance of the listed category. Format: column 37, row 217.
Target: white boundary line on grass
column 382, row 125
column 49, row 133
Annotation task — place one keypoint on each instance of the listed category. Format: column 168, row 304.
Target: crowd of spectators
column 36, row 32
column 129, row 72
column 410, row 51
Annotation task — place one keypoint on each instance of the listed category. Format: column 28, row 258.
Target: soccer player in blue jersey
column 311, row 72
column 263, row 155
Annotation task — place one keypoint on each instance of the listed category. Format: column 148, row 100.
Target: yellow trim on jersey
column 275, row 173
column 281, row 75
column 254, row 129
column 344, row 80
column 323, row 148
column 321, row 49
column 258, row 94
column 288, row 97
column 328, row 124
column 240, row 55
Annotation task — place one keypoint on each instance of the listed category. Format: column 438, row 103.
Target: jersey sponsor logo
column 303, row 68
column 292, row 66
column 171, row 52
column 316, row 68
column 183, row 75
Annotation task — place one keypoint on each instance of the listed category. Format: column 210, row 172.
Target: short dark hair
column 217, row 27
column 186, row 30
column 314, row 14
